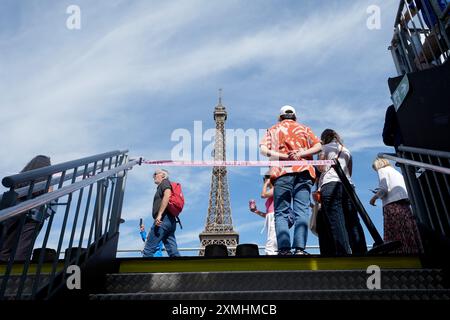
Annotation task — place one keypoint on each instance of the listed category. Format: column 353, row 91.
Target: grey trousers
column 10, row 234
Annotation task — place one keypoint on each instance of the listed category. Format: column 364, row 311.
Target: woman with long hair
column 340, row 222
column 271, row 247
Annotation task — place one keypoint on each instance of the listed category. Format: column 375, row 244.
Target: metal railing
column 427, row 178
column 83, row 223
column 421, row 35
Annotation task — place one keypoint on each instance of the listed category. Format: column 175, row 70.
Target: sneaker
column 300, row 252
column 284, row 253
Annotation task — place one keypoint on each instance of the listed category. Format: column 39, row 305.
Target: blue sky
column 138, row 70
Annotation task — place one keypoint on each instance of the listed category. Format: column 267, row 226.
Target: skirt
column 400, row 225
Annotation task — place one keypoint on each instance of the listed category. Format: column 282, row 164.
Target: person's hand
column 142, row 228
column 316, row 196
column 295, row 155
column 254, row 209
column 372, row 201
column 158, row 220
column 283, row 156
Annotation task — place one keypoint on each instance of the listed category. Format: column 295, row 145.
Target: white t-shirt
column 330, row 151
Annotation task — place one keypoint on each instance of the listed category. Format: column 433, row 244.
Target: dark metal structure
column 87, row 194
column 427, row 177
column 418, row 44
column 421, row 95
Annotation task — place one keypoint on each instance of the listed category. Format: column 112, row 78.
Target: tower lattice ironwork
column 219, row 225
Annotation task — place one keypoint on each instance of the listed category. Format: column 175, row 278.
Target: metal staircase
column 87, row 197
column 341, row 279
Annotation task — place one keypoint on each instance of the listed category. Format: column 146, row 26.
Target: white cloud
column 70, row 95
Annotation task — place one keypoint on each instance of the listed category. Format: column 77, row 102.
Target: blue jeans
column 296, row 187
column 164, row 233
column 334, row 219
column 354, row 229
column 338, row 209
column 158, row 252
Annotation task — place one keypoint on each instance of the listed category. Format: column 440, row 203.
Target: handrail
column 428, row 152
column 13, row 180
column 92, row 218
column 399, row 13
column 48, row 197
column 445, row 12
column 427, row 179
column 21, row 192
column 412, row 48
column 414, row 163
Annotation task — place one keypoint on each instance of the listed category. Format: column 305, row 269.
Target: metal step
column 405, row 294
column 14, row 283
column 391, row 279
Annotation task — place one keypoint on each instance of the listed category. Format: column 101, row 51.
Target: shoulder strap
column 340, row 151
column 337, row 157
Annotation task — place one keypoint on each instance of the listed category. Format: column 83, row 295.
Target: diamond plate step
column 443, row 294
column 14, row 283
column 413, row 279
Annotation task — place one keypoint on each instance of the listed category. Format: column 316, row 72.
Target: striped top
column 285, row 136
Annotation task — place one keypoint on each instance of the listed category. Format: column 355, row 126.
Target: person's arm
column 260, row 213
column 256, row 211
column 272, row 153
column 322, row 168
column 382, row 188
column 266, row 148
column 163, row 206
column 383, row 185
column 312, row 151
column 299, row 154
column 266, row 193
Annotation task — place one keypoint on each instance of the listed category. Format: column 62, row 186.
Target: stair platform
column 273, row 278
column 264, row 263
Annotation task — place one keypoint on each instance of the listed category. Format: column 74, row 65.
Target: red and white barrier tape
column 237, row 163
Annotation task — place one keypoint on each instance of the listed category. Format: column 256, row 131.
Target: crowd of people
column 337, row 223
column 288, row 190
column 288, row 193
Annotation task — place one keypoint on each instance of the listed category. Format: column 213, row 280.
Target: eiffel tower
column 219, row 226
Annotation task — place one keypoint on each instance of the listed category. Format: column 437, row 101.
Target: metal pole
column 357, row 203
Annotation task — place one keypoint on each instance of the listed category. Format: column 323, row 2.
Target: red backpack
column 176, row 200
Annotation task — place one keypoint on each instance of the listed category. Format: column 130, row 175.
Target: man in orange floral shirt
column 289, row 140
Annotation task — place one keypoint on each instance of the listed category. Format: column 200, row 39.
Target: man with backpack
column 167, row 205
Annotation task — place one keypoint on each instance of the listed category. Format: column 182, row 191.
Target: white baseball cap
column 287, row 110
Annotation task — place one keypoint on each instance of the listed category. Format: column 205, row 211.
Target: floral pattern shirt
column 285, row 136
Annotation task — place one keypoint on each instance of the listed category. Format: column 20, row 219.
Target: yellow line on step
column 267, row 264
